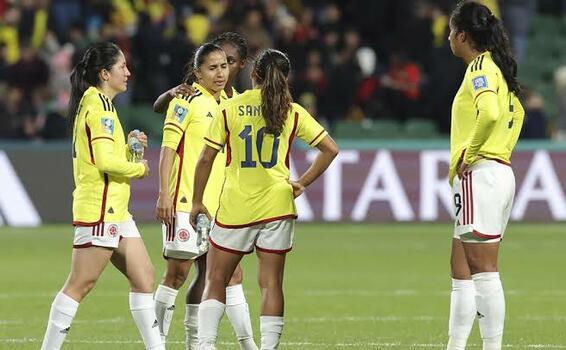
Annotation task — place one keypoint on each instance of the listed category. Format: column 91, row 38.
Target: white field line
column 324, row 345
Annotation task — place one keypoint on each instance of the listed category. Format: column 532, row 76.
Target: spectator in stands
column 560, row 84
column 517, row 16
column 16, row 116
column 535, row 125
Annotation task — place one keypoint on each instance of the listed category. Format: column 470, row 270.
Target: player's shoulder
column 96, row 101
column 483, row 64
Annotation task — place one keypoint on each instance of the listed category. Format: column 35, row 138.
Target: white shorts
column 104, row 234
column 271, row 237
column 180, row 241
column 482, row 202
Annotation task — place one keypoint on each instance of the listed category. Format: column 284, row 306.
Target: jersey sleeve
column 176, row 122
column 216, row 134
column 308, row 129
column 480, row 81
column 102, row 125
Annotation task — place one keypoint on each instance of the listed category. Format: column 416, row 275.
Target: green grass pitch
column 347, row 286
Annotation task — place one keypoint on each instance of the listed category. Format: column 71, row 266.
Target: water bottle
column 203, row 228
column 135, row 146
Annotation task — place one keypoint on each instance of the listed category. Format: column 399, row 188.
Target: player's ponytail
column 86, row 74
column 487, row 34
column 271, row 69
column 200, row 55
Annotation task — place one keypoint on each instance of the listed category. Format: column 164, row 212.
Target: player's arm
column 202, row 173
column 160, row 105
column 328, row 151
column 101, row 124
column 483, row 87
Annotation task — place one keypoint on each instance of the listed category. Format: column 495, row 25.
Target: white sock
column 271, row 328
column 239, row 316
column 209, row 315
column 164, row 308
column 63, row 310
column 191, row 327
column 491, row 308
column 462, row 313
column 142, row 307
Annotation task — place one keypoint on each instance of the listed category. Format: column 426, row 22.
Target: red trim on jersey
column 89, row 144
column 291, row 139
column 317, row 136
column 80, row 246
column 181, row 153
column 498, row 161
column 478, row 95
column 102, row 208
column 264, row 221
column 485, row 236
column 213, row 142
column 233, row 251
column 175, row 125
column 471, row 198
column 272, row 251
column 228, row 148
column 102, row 137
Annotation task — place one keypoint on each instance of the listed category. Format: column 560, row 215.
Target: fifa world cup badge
column 107, row 125
column 180, row 113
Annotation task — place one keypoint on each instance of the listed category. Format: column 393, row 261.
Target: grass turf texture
column 347, row 286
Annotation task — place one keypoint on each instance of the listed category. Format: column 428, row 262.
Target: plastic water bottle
column 135, row 146
column 203, row 228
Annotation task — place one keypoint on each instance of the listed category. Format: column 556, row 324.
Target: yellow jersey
column 188, row 118
column 474, row 134
column 257, row 189
column 101, row 169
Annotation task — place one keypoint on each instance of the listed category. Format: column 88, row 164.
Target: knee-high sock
column 491, row 308
column 209, row 316
column 142, row 307
column 63, row 310
column 462, row 313
column 271, row 330
column 164, row 307
column 191, row 327
column 239, row 316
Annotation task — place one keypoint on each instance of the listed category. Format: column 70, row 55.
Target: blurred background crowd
column 357, row 65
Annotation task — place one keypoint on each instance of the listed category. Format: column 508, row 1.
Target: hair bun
column 483, row 18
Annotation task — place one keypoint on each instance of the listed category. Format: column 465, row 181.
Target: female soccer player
column 187, row 120
column 104, row 229
column 257, row 208
column 486, row 121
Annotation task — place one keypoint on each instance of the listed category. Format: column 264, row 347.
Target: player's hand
column 298, row 189
column 182, row 89
column 197, row 209
column 462, row 168
column 141, row 136
column 146, row 166
column 164, row 210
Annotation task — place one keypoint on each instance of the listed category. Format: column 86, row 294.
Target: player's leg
column 193, row 299
column 166, row 292
column 274, row 241
column 238, row 311
column 132, row 260
column 462, row 299
column 87, row 265
column 220, row 266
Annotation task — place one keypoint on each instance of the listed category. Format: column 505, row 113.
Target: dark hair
column 197, row 60
column 487, row 34
column 271, row 70
column 85, row 74
column 236, row 40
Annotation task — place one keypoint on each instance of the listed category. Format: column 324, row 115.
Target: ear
column 462, row 36
column 197, row 73
column 104, row 75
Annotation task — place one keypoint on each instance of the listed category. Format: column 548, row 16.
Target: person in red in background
column 401, row 86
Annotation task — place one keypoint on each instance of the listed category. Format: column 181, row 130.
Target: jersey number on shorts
column 457, row 203
column 247, row 137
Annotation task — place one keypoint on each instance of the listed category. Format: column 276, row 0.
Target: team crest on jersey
column 479, row 82
column 183, row 235
column 107, row 125
column 112, row 230
column 180, row 113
